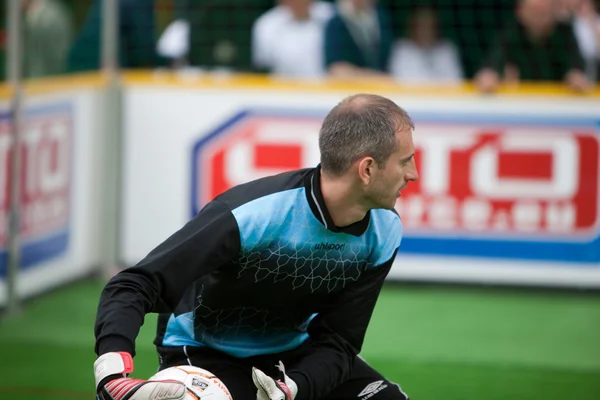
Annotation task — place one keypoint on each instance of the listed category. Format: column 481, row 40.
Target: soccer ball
column 200, row 383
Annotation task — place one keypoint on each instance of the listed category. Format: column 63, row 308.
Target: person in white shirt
column 584, row 17
column 425, row 57
column 586, row 25
column 287, row 40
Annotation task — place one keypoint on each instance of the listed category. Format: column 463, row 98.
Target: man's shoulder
column 322, row 10
column 385, row 222
column 385, row 232
column 275, row 16
column 563, row 29
column 386, row 215
column 261, row 187
column 336, row 21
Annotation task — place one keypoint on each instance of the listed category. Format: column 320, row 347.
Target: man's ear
column 365, row 169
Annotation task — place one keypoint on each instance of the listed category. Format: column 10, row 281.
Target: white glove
column 111, row 370
column 283, row 388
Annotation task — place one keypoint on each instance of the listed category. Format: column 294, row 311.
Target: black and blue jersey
column 259, row 270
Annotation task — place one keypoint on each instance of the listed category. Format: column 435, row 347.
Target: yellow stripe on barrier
column 55, row 84
column 194, row 80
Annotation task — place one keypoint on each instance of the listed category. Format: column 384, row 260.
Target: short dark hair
column 360, row 125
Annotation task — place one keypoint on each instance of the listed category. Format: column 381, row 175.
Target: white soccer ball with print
column 200, row 383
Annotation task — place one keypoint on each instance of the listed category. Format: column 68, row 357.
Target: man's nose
column 412, row 174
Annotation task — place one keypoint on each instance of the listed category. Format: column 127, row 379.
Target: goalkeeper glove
column 111, row 370
column 283, row 388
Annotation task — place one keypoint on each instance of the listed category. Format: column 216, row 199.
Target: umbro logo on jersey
column 372, row 389
column 329, row 246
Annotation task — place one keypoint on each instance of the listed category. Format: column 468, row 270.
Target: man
column 425, row 56
column 358, row 42
column 534, row 48
column 136, row 30
column 287, row 40
column 584, row 16
column 47, row 34
column 285, row 270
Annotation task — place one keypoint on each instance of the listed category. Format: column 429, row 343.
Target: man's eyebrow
column 407, row 159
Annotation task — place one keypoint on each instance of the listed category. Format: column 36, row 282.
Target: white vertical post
column 14, row 68
column 112, row 148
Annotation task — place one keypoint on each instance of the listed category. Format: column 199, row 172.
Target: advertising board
column 59, row 238
column 508, row 188
column 45, row 154
column 521, row 188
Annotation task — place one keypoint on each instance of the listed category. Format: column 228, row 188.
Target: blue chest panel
column 281, row 239
column 284, row 249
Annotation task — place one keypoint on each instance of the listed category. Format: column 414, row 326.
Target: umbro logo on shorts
column 372, row 389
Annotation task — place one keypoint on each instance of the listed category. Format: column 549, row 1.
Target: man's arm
column 489, row 76
column 340, row 61
column 157, row 283
column 337, row 336
column 574, row 74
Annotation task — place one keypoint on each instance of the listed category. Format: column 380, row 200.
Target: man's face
column 399, row 169
column 298, row 7
column 537, row 16
column 361, row 4
column 424, row 27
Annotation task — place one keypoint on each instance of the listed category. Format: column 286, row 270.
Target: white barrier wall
column 59, row 223
column 509, row 187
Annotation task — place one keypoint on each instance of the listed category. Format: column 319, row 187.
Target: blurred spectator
column 358, row 41
column 584, row 15
column 587, row 32
column 424, row 56
column 212, row 34
column 534, row 48
column 287, row 40
column 47, row 34
column 174, row 43
column 3, row 44
column 136, row 37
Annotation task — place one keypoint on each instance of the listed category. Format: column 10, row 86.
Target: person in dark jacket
column 137, row 37
column 535, row 47
column 358, row 41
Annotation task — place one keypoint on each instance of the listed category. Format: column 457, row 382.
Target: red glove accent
column 127, row 361
column 285, row 389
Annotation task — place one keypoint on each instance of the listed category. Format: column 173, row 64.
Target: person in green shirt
column 137, row 37
column 47, row 33
column 535, row 47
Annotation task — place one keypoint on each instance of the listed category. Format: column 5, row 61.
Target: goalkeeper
column 284, row 270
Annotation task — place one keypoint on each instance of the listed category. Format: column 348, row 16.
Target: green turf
column 438, row 343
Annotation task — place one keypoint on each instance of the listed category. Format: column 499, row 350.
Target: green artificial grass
column 436, row 342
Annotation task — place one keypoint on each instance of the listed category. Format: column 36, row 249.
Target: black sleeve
column 336, row 336
column 157, row 282
column 497, row 55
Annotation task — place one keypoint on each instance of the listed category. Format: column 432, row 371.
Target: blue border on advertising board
column 507, row 247
column 54, row 243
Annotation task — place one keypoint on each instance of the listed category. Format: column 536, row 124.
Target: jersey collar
column 312, row 184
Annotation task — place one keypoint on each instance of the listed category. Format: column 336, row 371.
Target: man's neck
column 343, row 207
column 301, row 15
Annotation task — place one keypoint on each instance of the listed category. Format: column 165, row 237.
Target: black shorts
column 236, row 373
